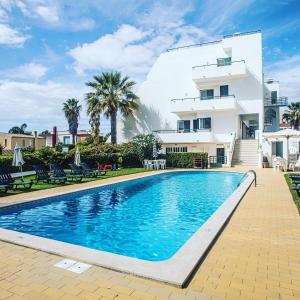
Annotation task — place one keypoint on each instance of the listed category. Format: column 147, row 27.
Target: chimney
column 35, row 142
column 54, row 137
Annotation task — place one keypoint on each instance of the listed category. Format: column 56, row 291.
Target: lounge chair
column 78, row 170
column 59, row 172
column 42, row 175
column 96, row 172
column 4, row 188
column 295, row 188
column 6, row 179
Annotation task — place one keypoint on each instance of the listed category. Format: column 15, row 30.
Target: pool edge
column 175, row 271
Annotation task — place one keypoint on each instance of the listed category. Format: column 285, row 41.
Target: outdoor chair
column 59, row 172
column 79, row 170
column 7, row 179
column 41, row 174
column 4, row 188
column 94, row 172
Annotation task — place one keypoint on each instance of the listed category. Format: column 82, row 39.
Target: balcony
column 278, row 101
column 185, row 136
column 217, row 103
column 216, row 72
column 192, row 136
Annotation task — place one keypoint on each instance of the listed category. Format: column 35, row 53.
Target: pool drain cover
column 72, row 265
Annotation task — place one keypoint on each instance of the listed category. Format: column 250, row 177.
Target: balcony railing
column 279, row 101
column 202, row 98
column 220, row 65
column 181, row 131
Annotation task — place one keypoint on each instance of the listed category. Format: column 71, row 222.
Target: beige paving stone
column 255, row 257
column 4, row 294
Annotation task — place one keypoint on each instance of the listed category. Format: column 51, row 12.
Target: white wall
column 171, row 76
column 203, row 147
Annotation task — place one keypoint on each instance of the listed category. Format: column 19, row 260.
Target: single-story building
column 9, row 140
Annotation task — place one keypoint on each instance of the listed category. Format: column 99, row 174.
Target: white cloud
column 287, row 72
column 117, row 50
column 30, row 71
column 11, row 37
column 218, row 15
column 48, row 13
column 133, row 49
column 38, row 105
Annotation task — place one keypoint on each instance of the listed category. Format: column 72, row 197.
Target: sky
column 49, row 49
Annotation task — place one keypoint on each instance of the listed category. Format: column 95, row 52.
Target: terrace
column 246, row 262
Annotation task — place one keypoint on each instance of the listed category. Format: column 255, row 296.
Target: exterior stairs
column 245, row 153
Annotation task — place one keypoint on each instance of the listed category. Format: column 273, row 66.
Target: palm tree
column 18, row 130
column 292, row 115
column 112, row 93
column 72, row 112
column 93, row 110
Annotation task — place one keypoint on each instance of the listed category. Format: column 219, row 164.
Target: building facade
column 214, row 98
column 8, row 141
column 65, row 137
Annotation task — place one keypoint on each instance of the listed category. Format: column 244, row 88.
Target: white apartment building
column 214, row 98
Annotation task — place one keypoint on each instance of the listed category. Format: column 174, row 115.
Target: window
column 274, row 97
column 183, row 125
column 176, row 149
column 196, row 124
column 23, row 143
column 5, row 143
column 206, row 94
column 225, row 61
column 204, row 123
column 223, row 90
column 201, row 123
column 67, row 140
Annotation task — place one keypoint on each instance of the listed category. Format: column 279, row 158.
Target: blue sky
column 50, row 48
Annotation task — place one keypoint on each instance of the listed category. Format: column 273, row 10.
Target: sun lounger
column 96, row 172
column 4, row 188
column 6, row 179
column 294, row 175
column 79, row 170
column 295, row 188
column 43, row 175
column 59, row 172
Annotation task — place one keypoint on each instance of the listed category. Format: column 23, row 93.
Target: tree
column 18, row 130
column 72, row 113
column 292, row 115
column 143, row 146
column 112, row 93
column 93, row 111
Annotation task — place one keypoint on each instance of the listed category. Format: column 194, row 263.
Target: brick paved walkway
column 257, row 256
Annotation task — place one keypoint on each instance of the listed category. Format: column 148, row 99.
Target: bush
column 142, row 145
column 92, row 152
column 183, row 160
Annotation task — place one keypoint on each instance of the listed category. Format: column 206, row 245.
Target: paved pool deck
column 257, row 256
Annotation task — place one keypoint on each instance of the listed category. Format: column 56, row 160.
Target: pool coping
column 175, row 271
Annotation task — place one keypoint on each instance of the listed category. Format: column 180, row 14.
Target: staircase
column 245, row 153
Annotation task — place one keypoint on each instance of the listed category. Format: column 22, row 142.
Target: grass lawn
column 295, row 195
column 43, row 186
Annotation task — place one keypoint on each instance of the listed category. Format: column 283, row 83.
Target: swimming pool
column 149, row 218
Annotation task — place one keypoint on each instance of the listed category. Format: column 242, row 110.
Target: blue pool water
column 148, row 218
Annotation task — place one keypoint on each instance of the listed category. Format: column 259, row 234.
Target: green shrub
column 142, row 145
column 183, row 160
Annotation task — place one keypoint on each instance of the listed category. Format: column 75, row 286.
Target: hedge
column 183, row 160
column 126, row 159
